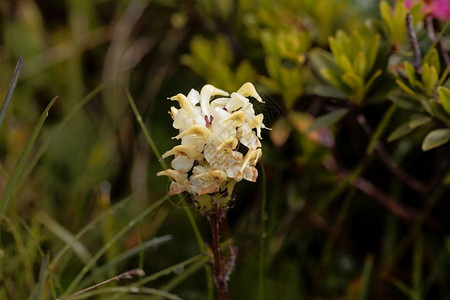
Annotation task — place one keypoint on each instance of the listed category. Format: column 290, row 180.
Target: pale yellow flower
column 220, row 140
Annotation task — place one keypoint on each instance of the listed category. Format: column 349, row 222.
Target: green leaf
column 406, row 88
column 10, row 92
column 42, row 277
column 385, row 11
column 321, row 59
column 410, row 73
column 366, row 278
column 426, row 104
column 436, row 138
column 360, row 65
column 352, row 80
column 328, row 92
column 402, row 100
column 372, row 79
column 332, row 77
column 87, row 267
column 381, row 128
column 439, row 111
column 432, row 59
column 343, row 62
column 444, row 96
column 65, row 235
column 419, row 120
column 328, row 119
column 429, row 77
column 7, row 194
column 372, row 51
column 401, row 131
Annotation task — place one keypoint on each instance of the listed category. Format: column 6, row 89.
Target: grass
column 336, row 213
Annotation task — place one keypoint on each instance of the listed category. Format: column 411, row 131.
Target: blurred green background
column 347, row 215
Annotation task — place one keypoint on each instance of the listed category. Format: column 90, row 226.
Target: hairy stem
column 395, row 169
column 433, row 38
column 414, row 43
column 220, row 277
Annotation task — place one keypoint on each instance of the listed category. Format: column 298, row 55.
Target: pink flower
column 439, row 9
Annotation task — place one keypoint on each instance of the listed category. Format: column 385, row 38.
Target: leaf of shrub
column 436, row 138
column 402, row 100
column 444, row 95
column 401, row 131
column 328, row 119
column 419, row 120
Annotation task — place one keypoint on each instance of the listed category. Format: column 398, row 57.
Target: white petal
column 176, row 176
column 182, row 163
column 193, row 97
column 250, row 174
column 184, row 103
column 248, row 89
column 184, row 150
column 176, row 188
column 205, row 96
column 196, row 142
column 236, row 102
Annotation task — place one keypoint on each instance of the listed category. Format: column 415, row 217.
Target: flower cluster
column 220, row 140
column 439, row 9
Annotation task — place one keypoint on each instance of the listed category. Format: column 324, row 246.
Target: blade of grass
column 198, row 236
column 7, row 194
column 42, row 276
column 381, row 128
column 262, row 239
column 145, row 131
column 199, row 259
column 10, row 92
column 402, row 287
column 125, row 275
column 36, row 243
column 365, row 279
column 46, row 143
column 65, row 235
column 27, row 271
column 180, row 278
column 88, row 227
column 125, row 255
column 172, row 269
column 417, row 266
column 129, row 290
column 116, row 237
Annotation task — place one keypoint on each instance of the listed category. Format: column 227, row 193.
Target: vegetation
column 351, row 199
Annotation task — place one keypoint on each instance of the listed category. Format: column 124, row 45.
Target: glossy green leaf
column 380, row 129
column 436, row 138
column 321, row 59
column 419, row 120
column 432, row 59
column 444, row 96
column 401, row 131
column 332, row 77
column 403, row 100
column 328, row 92
column 406, row 88
column 352, row 80
column 439, row 112
column 410, row 73
column 328, row 119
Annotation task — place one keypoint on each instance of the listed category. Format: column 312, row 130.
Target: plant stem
column 414, row 43
column 220, row 277
column 395, row 169
column 434, row 39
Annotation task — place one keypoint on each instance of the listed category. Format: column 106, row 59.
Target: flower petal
column 248, row 89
